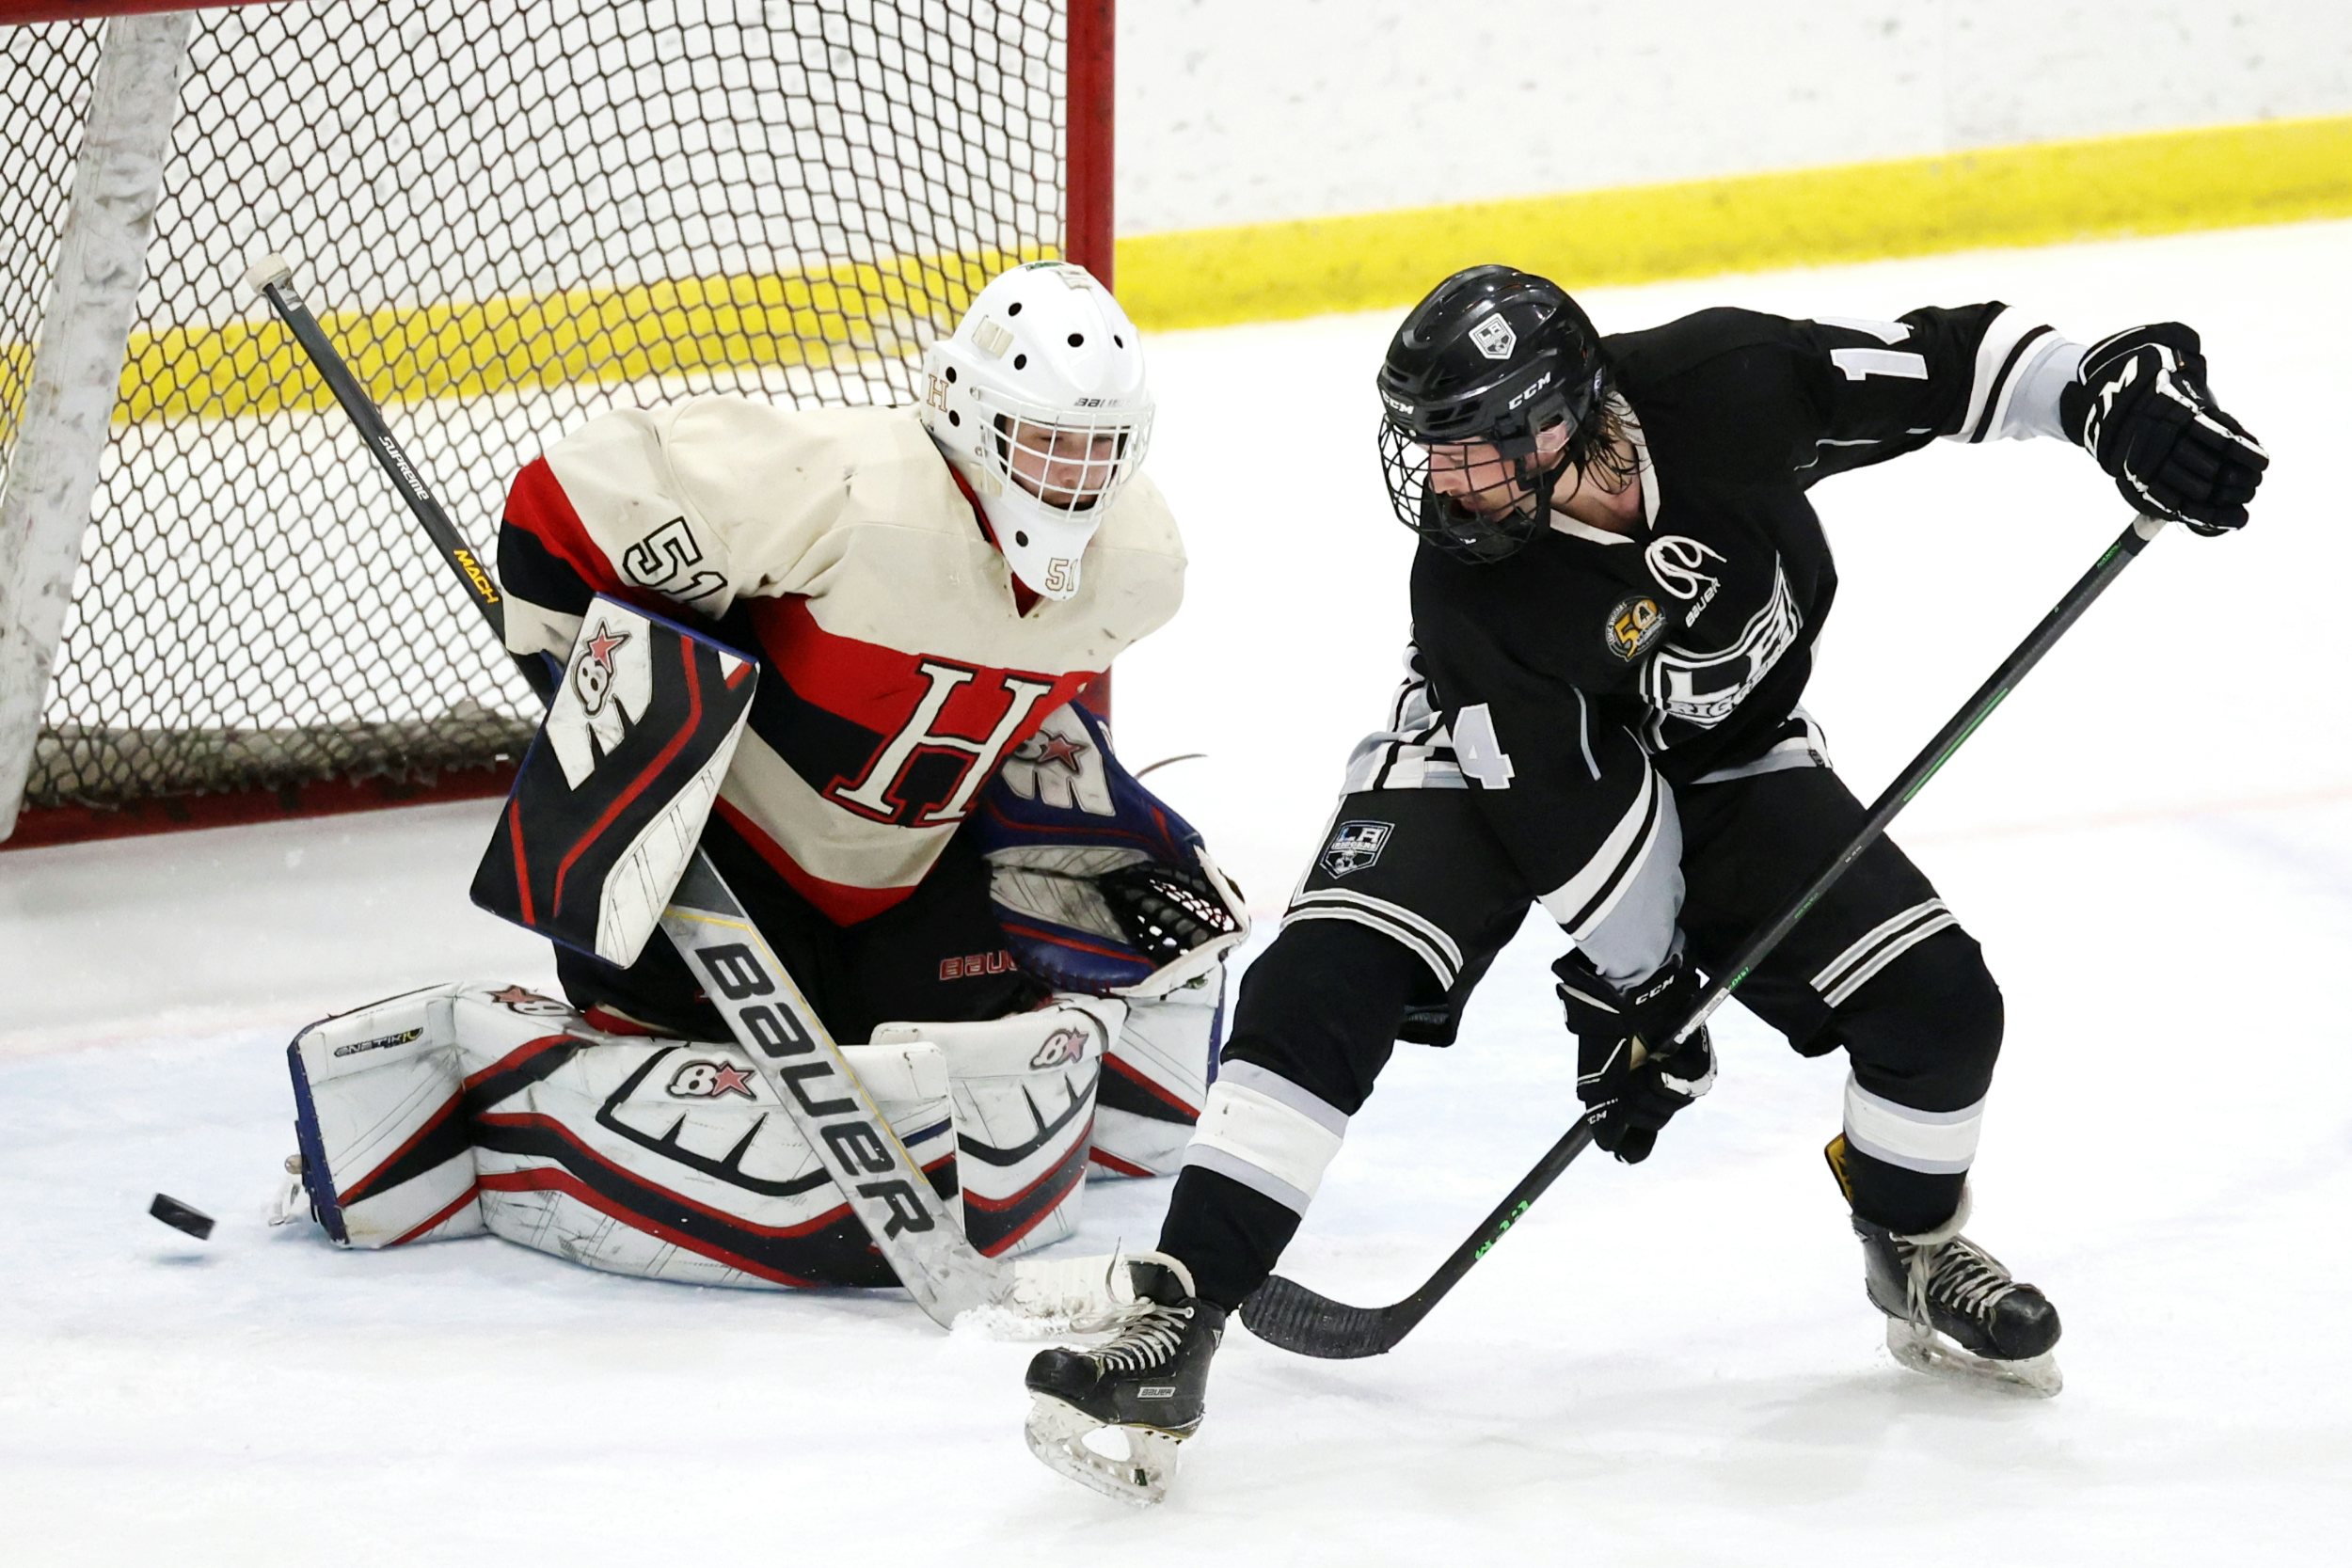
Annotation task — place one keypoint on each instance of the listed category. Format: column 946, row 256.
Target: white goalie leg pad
column 1157, row 1078
column 1023, row 1089
column 386, row 1157
column 669, row 1159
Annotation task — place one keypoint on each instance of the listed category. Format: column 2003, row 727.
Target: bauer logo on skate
column 702, row 1079
column 1356, row 846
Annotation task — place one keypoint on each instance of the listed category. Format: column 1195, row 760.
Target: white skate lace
column 1145, row 1342
column 1964, row 1275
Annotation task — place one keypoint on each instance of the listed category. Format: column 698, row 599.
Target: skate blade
column 1057, row 1435
column 1923, row 1350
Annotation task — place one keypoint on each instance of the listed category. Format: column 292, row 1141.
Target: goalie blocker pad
column 612, row 798
column 460, row 1109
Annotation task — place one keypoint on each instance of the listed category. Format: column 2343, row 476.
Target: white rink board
column 1673, row 1364
column 1237, row 111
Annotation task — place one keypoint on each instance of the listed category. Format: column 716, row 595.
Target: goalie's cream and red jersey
column 835, row 545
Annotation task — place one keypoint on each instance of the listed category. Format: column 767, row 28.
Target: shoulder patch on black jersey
column 1354, row 845
column 1633, row 625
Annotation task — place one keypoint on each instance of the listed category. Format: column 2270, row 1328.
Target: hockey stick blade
column 1286, row 1314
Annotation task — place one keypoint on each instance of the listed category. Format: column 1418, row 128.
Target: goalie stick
column 765, row 1011
column 1285, row 1313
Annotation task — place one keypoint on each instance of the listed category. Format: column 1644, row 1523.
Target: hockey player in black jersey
column 1615, row 608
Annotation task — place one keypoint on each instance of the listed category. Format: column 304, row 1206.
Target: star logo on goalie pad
column 705, row 1080
column 591, row 678
column 1062, row 1047
column 530, row 1002
column 1061, row 749
column 607, row 642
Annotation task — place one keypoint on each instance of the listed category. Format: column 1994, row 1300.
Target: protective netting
column 510, row 216
column 44, row 86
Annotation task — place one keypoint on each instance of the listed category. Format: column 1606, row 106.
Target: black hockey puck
column 180, row 1217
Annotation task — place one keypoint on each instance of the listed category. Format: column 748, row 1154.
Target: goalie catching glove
column 1099, row 886
column 1630, row 1088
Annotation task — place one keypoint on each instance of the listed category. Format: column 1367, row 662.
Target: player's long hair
column 1601, row 450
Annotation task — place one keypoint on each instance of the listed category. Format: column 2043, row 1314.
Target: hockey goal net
column 511, row 215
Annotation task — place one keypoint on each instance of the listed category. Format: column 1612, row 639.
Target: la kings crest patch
column 1354, row 847
column 1494, row 337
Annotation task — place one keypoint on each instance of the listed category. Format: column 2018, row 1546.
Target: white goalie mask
column 1038, row 400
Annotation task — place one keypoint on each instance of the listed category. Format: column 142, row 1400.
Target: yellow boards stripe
column 833, row 315
column 2215, row 178
column 2157, row 183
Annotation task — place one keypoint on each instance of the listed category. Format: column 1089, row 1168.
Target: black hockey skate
column 1147, row 1384
column 1952, row 1309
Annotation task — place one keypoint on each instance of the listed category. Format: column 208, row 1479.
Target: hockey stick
column 1285, row 1313
column 795, row 1054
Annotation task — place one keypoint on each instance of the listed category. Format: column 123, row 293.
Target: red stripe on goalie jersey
column 538, row 504
column 913, row 703
column 574, row 568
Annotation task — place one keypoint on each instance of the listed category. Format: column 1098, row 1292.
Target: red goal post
column 511, row 214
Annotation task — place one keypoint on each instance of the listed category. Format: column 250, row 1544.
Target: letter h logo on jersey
column 879, row 792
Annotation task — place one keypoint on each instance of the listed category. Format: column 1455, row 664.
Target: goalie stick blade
column 1288, row 1316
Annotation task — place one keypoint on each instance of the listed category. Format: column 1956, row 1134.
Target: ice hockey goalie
column 927, row 826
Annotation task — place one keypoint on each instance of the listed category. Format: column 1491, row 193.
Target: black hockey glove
column 2143, row 410
column 1629, row 1103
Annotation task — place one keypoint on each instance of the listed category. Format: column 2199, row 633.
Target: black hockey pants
column 1878, row 967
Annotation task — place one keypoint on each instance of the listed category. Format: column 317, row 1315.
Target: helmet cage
column 1039, row 402
column 1092, row 453
column 1408, row 434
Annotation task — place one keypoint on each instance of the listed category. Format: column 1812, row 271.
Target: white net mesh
column 509, row 216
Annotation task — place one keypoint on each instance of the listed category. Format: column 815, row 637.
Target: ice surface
column 1673, row 1364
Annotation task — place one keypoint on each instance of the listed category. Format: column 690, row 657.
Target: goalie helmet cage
column 511, row 215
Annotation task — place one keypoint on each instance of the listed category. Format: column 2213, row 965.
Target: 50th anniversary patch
column 1633, row 625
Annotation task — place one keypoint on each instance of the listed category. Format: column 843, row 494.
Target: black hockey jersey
column 1573, row 685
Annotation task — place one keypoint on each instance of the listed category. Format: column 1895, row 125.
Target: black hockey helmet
column 1493, row 356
